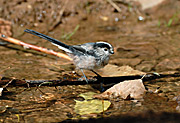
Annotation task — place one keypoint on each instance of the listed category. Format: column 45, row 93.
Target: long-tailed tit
column 88, row 56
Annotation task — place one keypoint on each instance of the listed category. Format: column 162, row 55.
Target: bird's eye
column 105, row 49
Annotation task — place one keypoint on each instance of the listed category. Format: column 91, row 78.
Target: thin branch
column 30, row 46
column 97, row 80
column 114, row 5
column 7, row 83
column 58, row 21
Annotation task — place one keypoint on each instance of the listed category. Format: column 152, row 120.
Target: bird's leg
column 84, row 76
column 101, row 83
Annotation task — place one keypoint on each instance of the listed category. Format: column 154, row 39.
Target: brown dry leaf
column 114, row 70
column 133, row 88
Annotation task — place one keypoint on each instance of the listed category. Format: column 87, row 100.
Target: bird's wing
column 84, row 48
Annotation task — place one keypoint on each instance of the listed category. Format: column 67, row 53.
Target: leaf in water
column 133, row 88
column 87, row 95
column 90, row 105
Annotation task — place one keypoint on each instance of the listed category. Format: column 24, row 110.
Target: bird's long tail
column 56, row 42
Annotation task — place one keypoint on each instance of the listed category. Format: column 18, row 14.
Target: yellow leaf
column 90, row 105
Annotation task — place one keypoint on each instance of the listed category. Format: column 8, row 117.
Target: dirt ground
column 146, row 40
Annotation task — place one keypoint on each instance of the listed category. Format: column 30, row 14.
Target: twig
column 114, row 5
column 7, row 83
column 107, row 81
column 124, row 2
column 1, row 89
column 30, row 46
column 58, row 21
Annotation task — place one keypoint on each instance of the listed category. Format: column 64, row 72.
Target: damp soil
column 146, row 40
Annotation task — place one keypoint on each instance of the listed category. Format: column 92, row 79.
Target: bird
column 89, row 56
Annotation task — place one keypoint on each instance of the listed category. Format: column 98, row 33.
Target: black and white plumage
column 88, row 56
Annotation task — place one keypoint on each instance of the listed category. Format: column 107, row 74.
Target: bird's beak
column 112, row 52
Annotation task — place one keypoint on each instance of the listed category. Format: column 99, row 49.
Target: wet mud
column 144, row 40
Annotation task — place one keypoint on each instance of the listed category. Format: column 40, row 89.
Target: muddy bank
column 146, row 40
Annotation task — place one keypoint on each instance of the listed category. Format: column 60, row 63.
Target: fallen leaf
column 87, row 95
column 133, row 88
column 114, row 70
column 90, row 105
